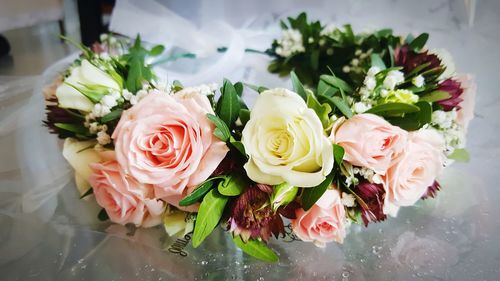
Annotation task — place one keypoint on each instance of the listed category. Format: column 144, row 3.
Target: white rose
column 285, row 142
column 79, row 155
column 88, row 75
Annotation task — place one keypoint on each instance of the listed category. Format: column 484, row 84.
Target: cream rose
column 324, row 222
column 88, row 75
column 413, row 170
column 167, row 140
column 285, row 142
column 370, row 141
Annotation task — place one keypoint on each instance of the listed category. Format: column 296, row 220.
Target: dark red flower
column 252, row 216
column 55, row 114
column 373, row 201
column 432, row 190
column 410, row 59
column 227, row 165
column 454, row 88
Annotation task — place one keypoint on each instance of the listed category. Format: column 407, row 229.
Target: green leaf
column 232, row 185
column 282, row 195
column 221, row 130
column 418, row 43
column 77, row 129
column 312, row 194
column 391, row 55
column 156, row 50
column 297, row 86
column 228, row 106
column 244, row 116
column 87, row 193
column 199, row 192
column 377, row 61
column 425, row 113
column 258, row 89
column 238, row 145
column 115, row 114
column 435, row 96
column 409, row 38
column 460, row 155
column 103, row 216
column 338, row 153
column 315, row 59
column 209, row 214
column 325, row 89
column 336, row 82
column 415, row 120
column 322, row 110
column 393, row 109
column 256, row 249
column 340, row 104
column 239, row 88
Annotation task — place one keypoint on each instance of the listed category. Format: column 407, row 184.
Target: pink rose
column 413, row 170
column 466, row 112
column 370, row 141
column 167, row 140
column 324, row 222
column 124, row 198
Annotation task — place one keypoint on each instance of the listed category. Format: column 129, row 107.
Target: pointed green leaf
column 74, row 128
column 209, row 214
column 87, row 193
column 393, row 109
column 338, row 153
column 312, row 194
column 115, row 114
column 244, row 116
column 199, row 192
column 337, row 83
column 103, row 216
column 377, row 61
column 238, row 145
column 221, row 130
column 418, row 43
column 339, row 103
column 156, row 50
column 228, row 106
column 258, row 89
column 256, row 249
column 297, row 86
column 435, row 96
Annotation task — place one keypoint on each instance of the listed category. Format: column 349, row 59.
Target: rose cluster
column 352, row 146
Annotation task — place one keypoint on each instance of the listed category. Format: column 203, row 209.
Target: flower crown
column 370, row 129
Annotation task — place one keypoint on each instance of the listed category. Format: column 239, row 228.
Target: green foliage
column 460, row 155
column 228, row 106
column 232, row 185
column 199, row 192
column 209, row 215
column 256, row 249
column 221, row 129
column 312, row 194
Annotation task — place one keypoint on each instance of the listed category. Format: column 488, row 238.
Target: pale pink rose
column 466, row 112
column 167, row 140
column 413, row 170
column 370, row 141
column 124, row 198
column 324, row 222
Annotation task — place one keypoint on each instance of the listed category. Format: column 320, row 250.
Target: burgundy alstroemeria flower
column 55, row 114
column 373, row 197
column 432, row 190
column 251, row 214
column 454, row 88
column 409, row 59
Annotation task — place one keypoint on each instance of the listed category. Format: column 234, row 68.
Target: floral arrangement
column 374, row 124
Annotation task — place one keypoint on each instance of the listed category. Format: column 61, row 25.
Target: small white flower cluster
column 290, row 43
column 106, row 104
column 453, row 134
column 134, row 99
column 355, row 64
column 101, row 130
column 348, row 200
column 393, row 78
column 367, row 91
column 206, row 89
column 418, row 81
column 368, row 174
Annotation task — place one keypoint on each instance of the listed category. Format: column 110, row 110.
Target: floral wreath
column 376, row 120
